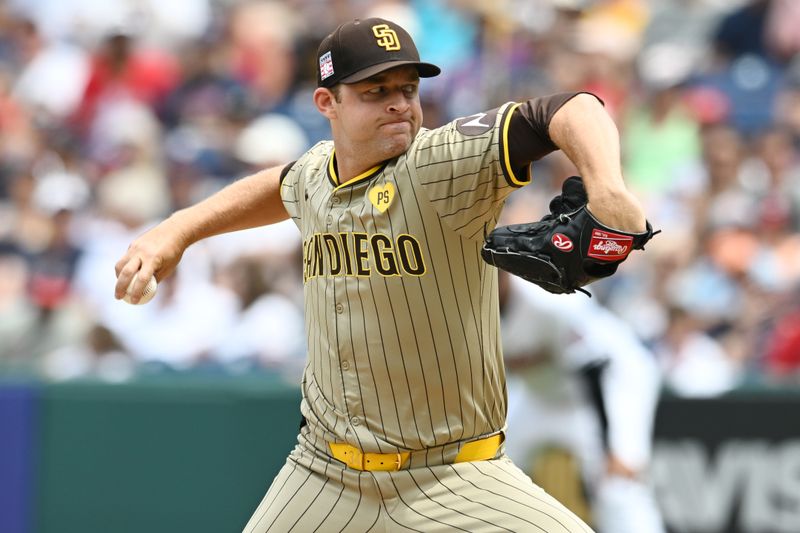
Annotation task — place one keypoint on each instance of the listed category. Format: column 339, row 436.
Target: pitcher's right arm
column 250, row 202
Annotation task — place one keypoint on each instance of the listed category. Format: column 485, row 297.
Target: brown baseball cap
column 359, row 49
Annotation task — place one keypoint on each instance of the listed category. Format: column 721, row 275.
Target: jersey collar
column 364, row 176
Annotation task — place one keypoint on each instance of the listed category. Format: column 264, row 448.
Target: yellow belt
column 476, row 450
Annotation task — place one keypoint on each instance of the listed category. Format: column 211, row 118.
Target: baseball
column 147, row 295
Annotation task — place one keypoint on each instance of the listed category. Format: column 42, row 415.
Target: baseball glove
column 567, row 249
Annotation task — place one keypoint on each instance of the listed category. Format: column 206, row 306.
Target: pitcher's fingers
column 142, row 279
column 126, row 269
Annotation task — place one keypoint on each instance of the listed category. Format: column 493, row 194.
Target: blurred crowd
column 114, row 113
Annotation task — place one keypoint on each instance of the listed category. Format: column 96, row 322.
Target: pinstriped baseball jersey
column 401, row 313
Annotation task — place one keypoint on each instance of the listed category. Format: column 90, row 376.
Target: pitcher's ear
column 325, row 100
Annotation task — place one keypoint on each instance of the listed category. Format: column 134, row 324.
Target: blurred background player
column 582, row 392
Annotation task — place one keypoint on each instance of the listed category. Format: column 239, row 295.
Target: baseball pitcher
column 404, row 396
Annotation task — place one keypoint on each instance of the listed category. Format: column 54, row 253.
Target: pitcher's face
column 382, row 114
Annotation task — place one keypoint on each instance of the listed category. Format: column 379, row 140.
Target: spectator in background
column 782, row 37
column 747, row 75
column 52, row 75
column 122, row 72
column 52, row 269
column 132, row 172
column 24, row 225
column 776, row 264
column 724, row 199
column 787, row 106
column 207, row 87
column 19, row 139
column 743, row 31
column 17, row 312
column 693, row 363
column 51, row 313
column 268, row 331
column 100, row 356
column 202, row 117
column 185, row 321
column 782, row 346
column 661, row 144
column 268, row 139
column 775, row 173
column 262, row 38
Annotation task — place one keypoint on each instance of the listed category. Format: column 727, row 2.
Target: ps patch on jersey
column 381, row 196
column 478, row 123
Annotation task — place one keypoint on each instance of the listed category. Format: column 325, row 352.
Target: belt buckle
column 398, row 461
column 354, row 458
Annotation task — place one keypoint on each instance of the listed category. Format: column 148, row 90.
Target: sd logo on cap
column 350, row 54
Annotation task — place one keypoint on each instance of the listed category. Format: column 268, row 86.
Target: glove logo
column 562, row 242
column 608, row 246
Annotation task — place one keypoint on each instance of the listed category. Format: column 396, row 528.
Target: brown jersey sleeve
column 528, row 132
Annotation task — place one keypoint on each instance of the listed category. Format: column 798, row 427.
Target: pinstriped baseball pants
column 319, row 494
